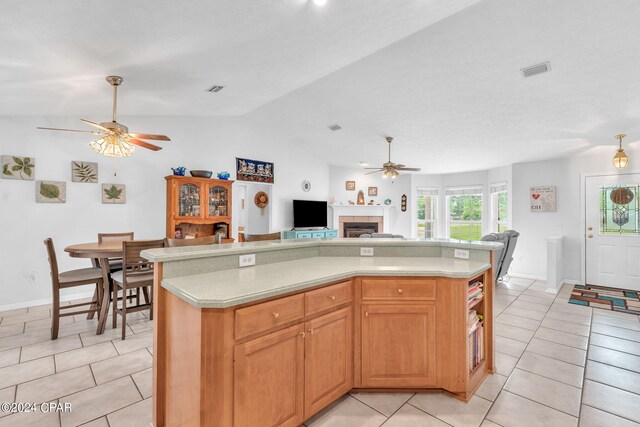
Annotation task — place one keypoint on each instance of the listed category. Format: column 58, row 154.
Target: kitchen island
column 274, row 343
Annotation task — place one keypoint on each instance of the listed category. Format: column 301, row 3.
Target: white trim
column 527, row 276
column 44, row 301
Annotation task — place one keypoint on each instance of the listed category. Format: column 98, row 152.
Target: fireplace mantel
column 362, row 211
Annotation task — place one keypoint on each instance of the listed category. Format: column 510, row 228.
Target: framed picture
column 254, row 171
column 14, row 167
column 114, row 194
column 373, row 191
column 84, row 172
column 351, row 185
column 542, row 199
column 51, row 192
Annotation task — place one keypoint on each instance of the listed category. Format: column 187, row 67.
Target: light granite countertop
column 228, row 288
column 205, row 251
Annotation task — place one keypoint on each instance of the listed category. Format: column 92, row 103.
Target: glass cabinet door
column 218, row 201
column 188, row 200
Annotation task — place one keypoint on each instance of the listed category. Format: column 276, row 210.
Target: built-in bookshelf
column 475, row 323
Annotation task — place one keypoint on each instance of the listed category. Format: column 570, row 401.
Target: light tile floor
column 558, row 365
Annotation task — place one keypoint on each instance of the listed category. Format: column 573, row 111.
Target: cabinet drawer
column 327, row 297
column 304, row 235
column 268, row 315
column 398, row 289
column 317, row 234
column 331, row 233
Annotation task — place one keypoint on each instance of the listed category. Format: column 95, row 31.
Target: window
column 499, row 207
column 464, row 210
column 427, row 212
column 620, row 210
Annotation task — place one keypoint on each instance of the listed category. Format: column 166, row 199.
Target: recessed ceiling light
column 319, row 2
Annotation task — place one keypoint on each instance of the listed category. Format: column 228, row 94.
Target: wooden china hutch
column 198, row 207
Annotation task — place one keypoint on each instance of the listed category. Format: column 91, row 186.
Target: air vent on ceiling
column 335, row 127
column 536, row 69
column 215, row 88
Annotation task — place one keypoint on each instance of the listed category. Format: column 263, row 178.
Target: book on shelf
column 474, row 293
column 475, row 347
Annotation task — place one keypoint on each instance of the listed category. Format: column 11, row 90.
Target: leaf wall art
column 84, row 172
column 14, row 167
column 51, row 191
column 114, row 193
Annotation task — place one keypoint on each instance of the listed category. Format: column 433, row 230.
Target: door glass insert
column 189, row 200
column 619, row 208
column 218, row 201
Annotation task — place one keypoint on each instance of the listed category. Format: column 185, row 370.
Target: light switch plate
column 366, row 251
column 247, row 260
column 461, row 253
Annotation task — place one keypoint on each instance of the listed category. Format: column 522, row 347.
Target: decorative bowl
column 201, row 174
column 179, row 170
column 224, row 175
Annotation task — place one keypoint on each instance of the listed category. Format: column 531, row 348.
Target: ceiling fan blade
column 398, row 165
column 150, row 136
column 89, row 122
column 410, row 169
column 71, row 130
column 375, row 171
column 378, row 169
column 144, row 144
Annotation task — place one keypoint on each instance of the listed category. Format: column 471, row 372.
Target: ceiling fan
column 115, row 140
column 389, row 168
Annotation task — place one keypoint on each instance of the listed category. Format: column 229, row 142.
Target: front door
column 612, row 232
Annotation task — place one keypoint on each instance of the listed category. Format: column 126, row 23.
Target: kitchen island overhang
column 311, row 321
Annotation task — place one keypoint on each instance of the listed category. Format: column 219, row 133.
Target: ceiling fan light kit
column 115, row 139
column 620, row 160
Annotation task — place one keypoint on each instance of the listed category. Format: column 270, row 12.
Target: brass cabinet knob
column 302, row 334
column 311, row 331
column 366, row 314
column 400, row 290
column 276, row 315
column 589, row 236
column 332, row 297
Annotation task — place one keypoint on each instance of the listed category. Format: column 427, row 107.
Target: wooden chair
column 68, row 279
column 209, row 240
column 136, row 273
column 115, row 264
column 244, row 237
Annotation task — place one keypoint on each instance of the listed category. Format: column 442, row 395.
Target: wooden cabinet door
column 328, row 359
column 269, row 380
column 398, row 345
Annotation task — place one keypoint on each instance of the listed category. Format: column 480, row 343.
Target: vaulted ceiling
column 441, row 76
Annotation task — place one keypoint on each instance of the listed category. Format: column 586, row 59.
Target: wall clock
column 306, row 185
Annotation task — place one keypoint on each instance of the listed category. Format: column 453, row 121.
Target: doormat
column 622, row 300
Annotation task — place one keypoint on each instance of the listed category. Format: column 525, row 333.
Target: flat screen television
column 309, row 213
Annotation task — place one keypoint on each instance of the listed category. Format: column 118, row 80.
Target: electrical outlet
column 247, row 260
column 461, row 253
column 366, row 251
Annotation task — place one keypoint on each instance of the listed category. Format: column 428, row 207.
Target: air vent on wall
column 335, row 127
column 536, row 69
column 215, row 88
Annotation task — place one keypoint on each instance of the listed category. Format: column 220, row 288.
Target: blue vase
column 180, row 171
column 224, row 175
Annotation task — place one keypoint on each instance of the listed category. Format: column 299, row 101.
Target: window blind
column 427, row 191
column 460, row 191
column 498, row 187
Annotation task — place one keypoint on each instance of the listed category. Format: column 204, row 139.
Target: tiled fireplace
column 354, row 226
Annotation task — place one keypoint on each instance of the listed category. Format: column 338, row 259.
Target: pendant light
column 620, row 160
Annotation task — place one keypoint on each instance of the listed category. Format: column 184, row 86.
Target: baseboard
column 572, row 282
column 44, row 301
column 527, row 276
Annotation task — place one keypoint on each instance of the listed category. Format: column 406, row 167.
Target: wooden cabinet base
column 280, row 361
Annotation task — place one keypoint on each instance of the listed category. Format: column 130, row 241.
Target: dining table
column 100, row 251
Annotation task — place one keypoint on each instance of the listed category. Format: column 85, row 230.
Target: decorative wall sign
column 306, row 186
column 254, row 170
column 403, row 203
column 84, row 172
column 373, row 191
column 542, row 199
column 350, row 185
column 114, row 194
column 14, row 167
column 51, row 191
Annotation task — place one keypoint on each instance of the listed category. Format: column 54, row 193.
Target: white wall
column 565, row 174
column 197, row 143
column 400, row 222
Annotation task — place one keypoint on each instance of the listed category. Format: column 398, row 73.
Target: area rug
column 622, row 300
